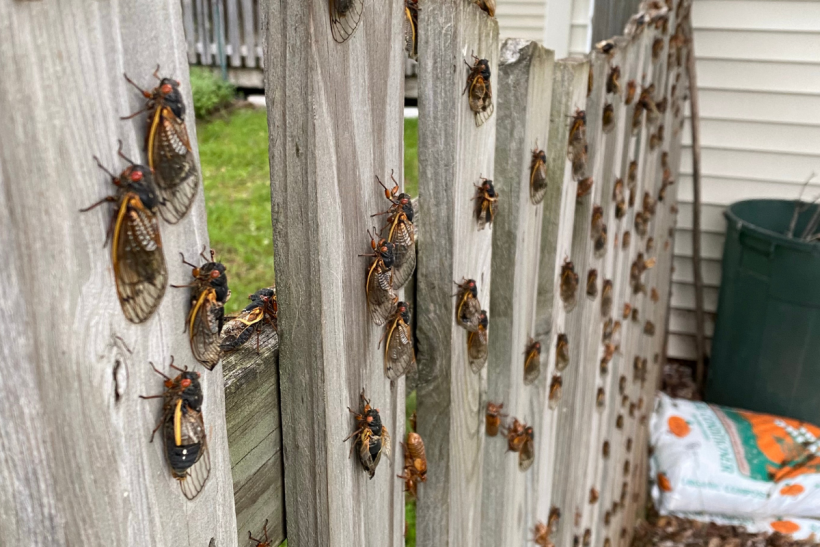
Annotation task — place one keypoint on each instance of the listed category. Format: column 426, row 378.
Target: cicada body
column 608, row 118
column 654, row 295
column 605, row 449
column 526, row 455
column 170, row 155
column 561, row 352
column 569, row 285
column 613, row 82
column 183, row 430
column 477, row 348
column 209, row 293
column 262, row 310
column 584, row 187
column 345, row 16
column 619, row 198
column 415, row 451
column 579, row 167
column 631, row 87
column 468, row 308
column 554, row 519
column 606, row 298
column 492, row 418
column 649, row 205
column 556, row 390
column 411, row 27
column 626, row 239
column 657, row 49
column 541, row 534
column 538, row 176
column 593, row 496
column 381, row 300
column 139, row 266
column 649, row 328
column 641, row 223
column 480, row 95
column 646, row 102
column 600, row 398
column 532, row 362
column 486, row 203
column 487, row 5
column 371, row 438
column 622, row 385
column 260, row 543
column 577, row 135
column 592, row 284
column 398, row 348
column 402, row 233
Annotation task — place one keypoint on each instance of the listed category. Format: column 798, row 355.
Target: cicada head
column 138, row 179
column 488, row 188
column 385, row 251
column 168, row 94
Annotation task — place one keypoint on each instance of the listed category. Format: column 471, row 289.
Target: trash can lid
column 769, row 219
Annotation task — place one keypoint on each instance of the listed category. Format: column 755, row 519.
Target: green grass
column 234, row 152
column 411, row 157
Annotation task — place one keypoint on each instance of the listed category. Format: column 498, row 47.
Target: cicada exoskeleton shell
column 139, row 266
column 657, row 49
column 514, row 434
column 541, row 534
column 479, row 88
column 370, row 438
column 468, row 308
column 209, row 293
column 477, row 349
column 619, row 198
column 622, row 385
column 345, row 16
column 568, row 285
column 381, row 299
column 654, row 295
column 170, row 155
column 492, row 418
column 399, row 353
column 486, row 5
column 532, row 361
column 402, row 233
column 600, row 398
column 647, row 103
column 619, row 421
column 608, row 118
column 261, row 543
column 411, row 27
column 486, row 203
column 183, row 430
column 607, row 519
column 626, row 239
column 606, row 298
column 538, row 175
column 631, row 87
column 641, row 224
column 526, row 456
column 416, row 452
column 636, row 317
column 561, row 352
column 605, row 449
column 556, row 390
column 593, row 496
column 577, row 143
column 649, row 205
column 592, row 284
column 650, row 245
column 584, row 187
column 252, row 319
column 649, row 328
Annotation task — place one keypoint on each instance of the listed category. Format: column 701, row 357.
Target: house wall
column 561, row 25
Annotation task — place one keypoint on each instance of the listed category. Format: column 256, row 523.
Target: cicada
column 598, row 231
column 468, row 308
column 619, row 198
column 492, row 418
column 622, row 385
column 415, row 463
column 561, row 352
column 607, row 521
column 579, row 167
column 514, row 435
column 631, row 87
column 657, row 49
column 626, row 467
column 554, row 519
column 627, row 310
column 587, row 541
column 619, row 421
column 605, row 449
column 613, row 82
column 608, row 118
column 532, row 361
column 584, row 187
column 209, row 293
column 600, row 398
column 371, row 438
column 259, row 543
column 590, row 81
column 636, row 315
column 411, row 27
column 381, row 300
column 641, row 221
column 136, row 250
column 477, row 344
column 577, row 144
column 526, row 455
column 183, row 429
column 624, row 401
column 593, row 496
column 649, row 328
column 538, row 175
column 345, row 16
column 626, row 239
column 480, row 95
column 569, row 285
column 650, row 244
column 629, row 444
column 541, row 534
column 556, row 388
column 654, row 295
column 646, row 102
column 592, row 284
column 486, row 5
column 170, row 156
column 606, row 298
column 609, row 352
column 398, row 347
column 486, row 203
column 402, row 233
column 261, row 311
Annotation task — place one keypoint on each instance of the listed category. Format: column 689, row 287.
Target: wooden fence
column 75, row 434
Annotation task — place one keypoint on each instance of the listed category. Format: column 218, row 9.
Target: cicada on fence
column 468, row 308
column 636, row 315
column 561, row 352
column 402, row 233
column 605, row 449
column 370, row 438
column 541, row 535
column 587, row 541
column 381, row 300
column 657, row 49
column 622, row 385
column 411, row 28
column 584, row 187
column 170, row 156
column 183, row 430
column 262, row 311
column 209, row 293
column 398, row 346
column 631, row 87
column 556, row 390
column 641, row 223
column 629, row 444
column 592, row 284
column 480, row 95
column 538, row 175
column 260, row 543
column 486, row 5
column 136, row 250
column 590, row 81
column 649, row 328
column 577, row 143
column 486, row 203
column 345, row 16
column 600, row 398
column 650, row 244
column 513, row 434
column 608, row 118
column 415, row 463
column 619, row 198
column 521, row 439
column 654, row 295
column 606, row 298
column 598, row 231
column 626, row 239
column 647, row 102
column 477, row 348
column 492, row 418
column 593, row 496
column 554, row 519
column 613, row 81
column 569, row 285
column 532, row 361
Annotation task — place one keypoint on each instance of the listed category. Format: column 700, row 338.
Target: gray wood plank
column 524, row 96
column 250, row 37
column 77, row 462
column 331, row 131
column 203, row 21
column 231, row 14
column 454, row 154
column 190, row 29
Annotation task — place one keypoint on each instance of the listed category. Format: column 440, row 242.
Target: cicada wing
column 538, row 182
column 478, row 89
column 410, row 36
column 186, row 448
column 138, row 260
column 345, row 16
column 194, row 481
column 204, row 320
column 398, row 350
column 239, row 329
column 526, row 455
column 468, row 314
column 532, row 367
column 174, row 165
column 385, row 438
column 402, row 236
column 477, row 350
column 381, row 300
column 487, row 110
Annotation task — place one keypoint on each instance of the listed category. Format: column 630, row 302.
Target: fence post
column 453, row 154
column 77, row 466
column 524, row 96
column 335, row 123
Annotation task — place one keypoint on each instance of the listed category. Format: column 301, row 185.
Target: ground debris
column 680, row 532
column 679, row 382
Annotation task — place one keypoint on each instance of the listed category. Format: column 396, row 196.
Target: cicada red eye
column 136, row 176
column 166, row 89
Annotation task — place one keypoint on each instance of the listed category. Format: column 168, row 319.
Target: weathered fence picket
column 232, row 26
column 335, row 123
column 524, row 94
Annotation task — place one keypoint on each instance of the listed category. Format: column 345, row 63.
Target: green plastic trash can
column 766, row 347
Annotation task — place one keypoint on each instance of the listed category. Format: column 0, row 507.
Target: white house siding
column 758, row 64
column 521, row 19
column 560, row 25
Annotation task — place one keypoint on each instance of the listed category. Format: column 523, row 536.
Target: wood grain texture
column 255, row 436
column 75, row 458
column 454, row 155
column 231, row 21
column 509, row 496
column 335, row 122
